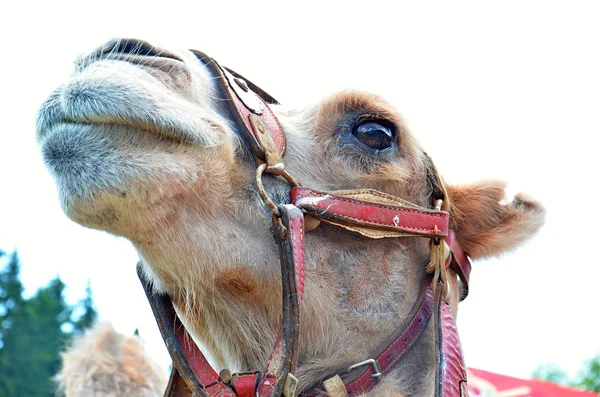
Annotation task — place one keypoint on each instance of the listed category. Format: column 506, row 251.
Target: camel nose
column 117, row 48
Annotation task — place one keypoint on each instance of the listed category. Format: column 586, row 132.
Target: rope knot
column 440, row 253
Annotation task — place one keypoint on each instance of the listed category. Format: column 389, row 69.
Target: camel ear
column 485, row 225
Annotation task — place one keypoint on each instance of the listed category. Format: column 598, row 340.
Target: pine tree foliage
column 33, row 331
column 89, row 316
column 11, row 289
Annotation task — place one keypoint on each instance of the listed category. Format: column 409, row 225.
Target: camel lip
column 53, row 114
column 59, row 110
column 51, row 127
column 47, row 121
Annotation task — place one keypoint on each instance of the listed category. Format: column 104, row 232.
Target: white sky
column 509, row 90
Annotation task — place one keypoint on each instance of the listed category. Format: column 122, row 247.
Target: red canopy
column 488, row 384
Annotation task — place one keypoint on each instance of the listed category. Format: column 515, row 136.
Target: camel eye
column 374, row 134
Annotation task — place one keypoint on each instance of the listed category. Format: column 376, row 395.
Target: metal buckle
column 376, row 367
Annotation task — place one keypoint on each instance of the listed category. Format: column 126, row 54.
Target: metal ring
column 261, row 188
column 279, row 170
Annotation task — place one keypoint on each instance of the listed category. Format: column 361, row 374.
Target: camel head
column 142, row 146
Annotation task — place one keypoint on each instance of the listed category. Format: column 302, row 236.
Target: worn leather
column 291, row 251
column 188, row 360
column 240, row 112
column 177, row 386
column 372, row 215
column 454, row 371
column 244, row 385
column 335, row 387
column 451, row 372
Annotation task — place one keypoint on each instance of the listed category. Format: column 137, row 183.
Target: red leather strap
column 265, row 113
column 245, row 384
column 189, row 361
column 389, row 357
column 405, row 219
column 283, row 358
column 296, row 231
column 454, row 371
column 243, row 99
column 451, row 366
column 361, row 379
column 196, row 360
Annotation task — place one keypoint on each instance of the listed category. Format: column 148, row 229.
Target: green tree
column 11, row 289
column 11, row 311
column 33, row 331
column 33, row 341
column 89, row 316
column 552, row 373
column 587, row 378
column 589, row 375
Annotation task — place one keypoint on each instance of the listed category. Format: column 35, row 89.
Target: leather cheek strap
column 282, row 363
column 188, row 360
column 451, row 372
column 246, row 102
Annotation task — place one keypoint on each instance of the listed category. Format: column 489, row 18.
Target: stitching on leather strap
column 387, row 224
column 377, row 205
column 306, row 194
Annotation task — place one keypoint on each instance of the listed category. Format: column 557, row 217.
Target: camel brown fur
column 106, row 363
column 141, row 146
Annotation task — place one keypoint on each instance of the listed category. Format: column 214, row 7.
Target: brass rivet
column 225, row 375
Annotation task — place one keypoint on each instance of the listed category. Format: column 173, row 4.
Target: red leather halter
column 368, row 212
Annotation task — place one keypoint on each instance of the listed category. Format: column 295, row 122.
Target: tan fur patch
column 134, row 363
column 238, row 283
column 103, row 362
